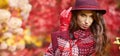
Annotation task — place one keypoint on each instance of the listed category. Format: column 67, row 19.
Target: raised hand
column 65, row 18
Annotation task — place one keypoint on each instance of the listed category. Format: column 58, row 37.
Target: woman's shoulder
column 61, row 34
column 56, row 32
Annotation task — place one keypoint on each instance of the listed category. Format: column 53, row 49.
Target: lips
column 85, row 27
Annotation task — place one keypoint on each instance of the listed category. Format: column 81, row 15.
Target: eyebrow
column 82, row 14
column 85, row 14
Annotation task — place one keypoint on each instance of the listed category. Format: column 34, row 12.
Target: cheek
column 91, row 21
column 80, row 19
column 80, row 22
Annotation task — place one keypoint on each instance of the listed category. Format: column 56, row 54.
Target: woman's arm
column 49, row 51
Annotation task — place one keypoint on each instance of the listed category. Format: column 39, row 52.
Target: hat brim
column 102, row 11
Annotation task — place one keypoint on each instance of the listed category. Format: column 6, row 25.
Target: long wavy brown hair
column 99, row 32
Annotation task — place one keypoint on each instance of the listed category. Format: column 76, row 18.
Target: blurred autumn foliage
column 41, row 17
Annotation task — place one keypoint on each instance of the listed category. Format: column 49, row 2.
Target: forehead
column 86, row 12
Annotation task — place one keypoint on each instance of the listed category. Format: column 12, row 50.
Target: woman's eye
column 82, row 15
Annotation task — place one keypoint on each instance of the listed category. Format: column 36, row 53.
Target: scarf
column 85, row 41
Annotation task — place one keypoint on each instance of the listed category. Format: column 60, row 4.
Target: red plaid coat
column 83, row 45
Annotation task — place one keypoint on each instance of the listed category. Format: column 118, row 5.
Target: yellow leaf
column 10, row 42
column 3, row 3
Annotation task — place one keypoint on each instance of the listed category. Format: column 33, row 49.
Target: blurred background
column 26, row 25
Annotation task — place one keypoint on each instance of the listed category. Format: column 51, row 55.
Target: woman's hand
column 65, row 18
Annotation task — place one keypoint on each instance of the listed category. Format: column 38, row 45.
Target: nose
column 87, row 20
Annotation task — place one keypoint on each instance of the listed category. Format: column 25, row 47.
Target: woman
column 82, row 32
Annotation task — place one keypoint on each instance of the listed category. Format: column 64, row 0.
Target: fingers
column 65, row 13
column 68, row 11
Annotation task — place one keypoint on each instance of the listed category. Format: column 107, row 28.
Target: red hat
column 88, row 5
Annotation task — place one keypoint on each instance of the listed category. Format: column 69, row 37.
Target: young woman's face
column 84, row 19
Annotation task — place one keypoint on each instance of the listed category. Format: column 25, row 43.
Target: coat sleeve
column 53, row 45
column 52, row 49
column 49, row 51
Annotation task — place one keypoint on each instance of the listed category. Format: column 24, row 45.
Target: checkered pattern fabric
column 83, row 45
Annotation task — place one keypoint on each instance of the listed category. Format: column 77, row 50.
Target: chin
column 84, row 28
